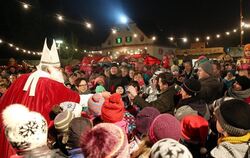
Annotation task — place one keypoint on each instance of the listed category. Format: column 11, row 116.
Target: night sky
column 163, row 18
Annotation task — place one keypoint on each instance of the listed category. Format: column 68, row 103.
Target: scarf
column 238, row 94
column 235, row 140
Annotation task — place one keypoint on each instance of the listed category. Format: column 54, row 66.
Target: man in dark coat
column 165, row 100
column 113, row 80
column 211, row 88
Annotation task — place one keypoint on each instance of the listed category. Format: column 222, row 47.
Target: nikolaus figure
column 243, row 64
column 38, row 91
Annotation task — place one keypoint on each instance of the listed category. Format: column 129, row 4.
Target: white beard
column 56, row 75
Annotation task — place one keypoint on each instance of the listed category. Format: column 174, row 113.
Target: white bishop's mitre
column 48, row 58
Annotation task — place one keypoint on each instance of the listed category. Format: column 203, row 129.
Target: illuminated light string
column 60, row 17
column 19, row 49
column 124, row 20
column 207, row 38
column 26, row 51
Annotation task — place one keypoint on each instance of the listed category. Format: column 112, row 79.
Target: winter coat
column 152, row 93
column 192, row 105
column 112, row 82
column 228, row 150
column 164, row 102
column 211, row 89
column 125, row 80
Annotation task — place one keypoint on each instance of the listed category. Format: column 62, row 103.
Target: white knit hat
column 169, row 148
column 24, row 129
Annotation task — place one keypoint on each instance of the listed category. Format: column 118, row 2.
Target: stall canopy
column 105, row 60
column 150, row 60
column 89, row 60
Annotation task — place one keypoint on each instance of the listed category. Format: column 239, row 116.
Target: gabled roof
column 128, row 34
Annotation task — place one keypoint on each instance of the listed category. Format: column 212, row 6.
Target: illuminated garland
column 88, row 25
column 19, row 49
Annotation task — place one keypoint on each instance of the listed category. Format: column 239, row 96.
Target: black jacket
column 164, row 102
column 112, row 82
column 211, row 89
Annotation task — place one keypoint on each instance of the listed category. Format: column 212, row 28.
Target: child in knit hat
column 61, row 124
column 113, row 111
column 164, row 126
column 105, row 140
column 233, row 117
column 77, row 127
column 143, row 121
column 27, row 132
column 93, row 110
column 194, row 133
column 169, row 148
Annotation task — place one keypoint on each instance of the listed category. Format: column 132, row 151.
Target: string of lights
column 88, row 25
column 19, row 49
column 27, row 51
column 216, row 36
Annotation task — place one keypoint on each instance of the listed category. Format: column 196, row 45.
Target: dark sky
column 191, row 18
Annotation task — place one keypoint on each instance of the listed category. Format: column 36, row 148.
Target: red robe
column 48, row 93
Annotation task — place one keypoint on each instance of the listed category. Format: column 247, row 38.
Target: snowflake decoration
column 28, row 129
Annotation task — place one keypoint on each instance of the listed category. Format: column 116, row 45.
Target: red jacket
column 48, row 93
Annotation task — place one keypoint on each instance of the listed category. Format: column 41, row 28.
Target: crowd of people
column 183, row 111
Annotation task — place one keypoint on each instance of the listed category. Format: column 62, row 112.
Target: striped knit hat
column 62, row 121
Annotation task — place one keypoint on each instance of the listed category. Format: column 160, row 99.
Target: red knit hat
column 113, row 109
column 164, row 126
column 194, row 128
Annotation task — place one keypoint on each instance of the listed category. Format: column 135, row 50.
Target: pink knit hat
column 105, row 140
column 164, row 126
column 95, row 104
column 144, row 119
